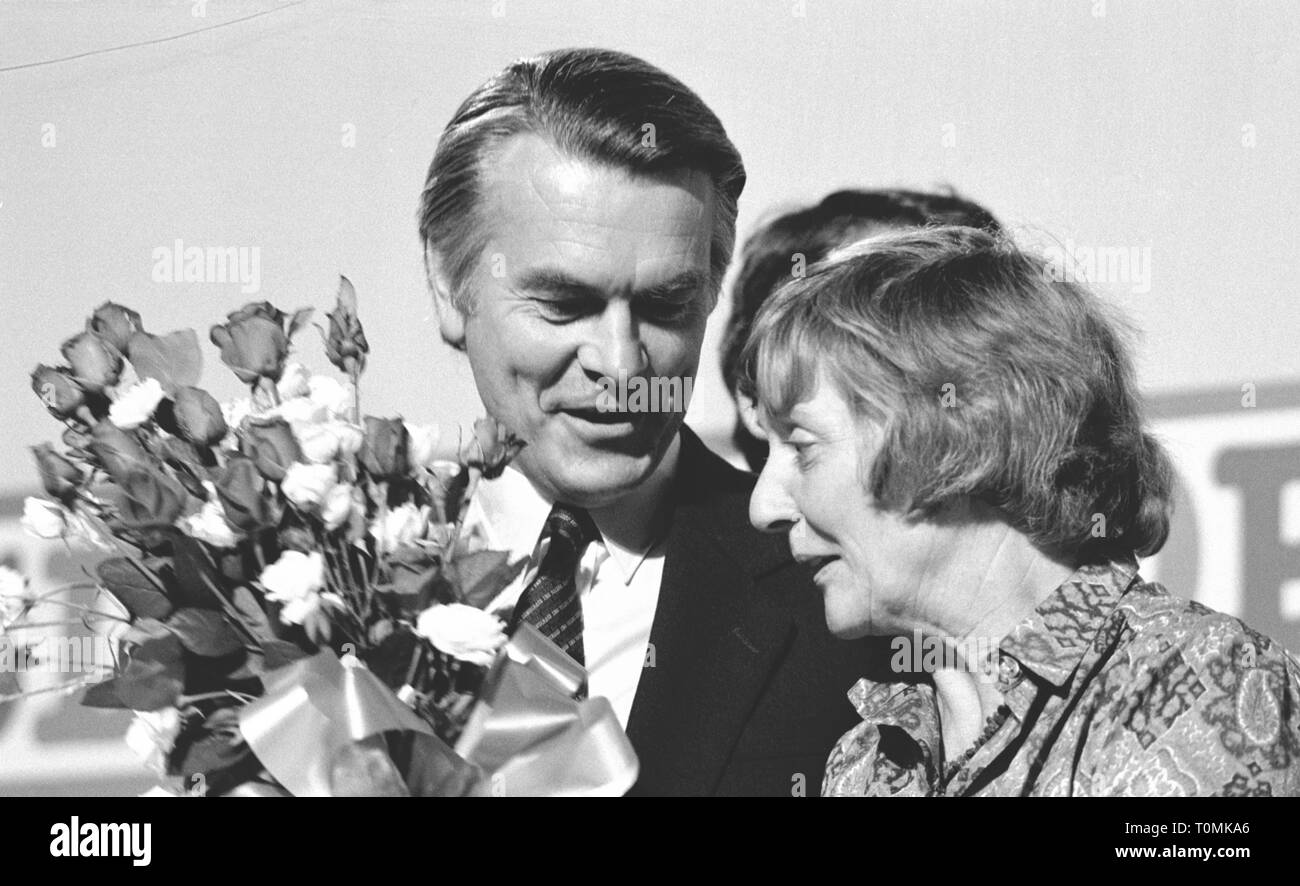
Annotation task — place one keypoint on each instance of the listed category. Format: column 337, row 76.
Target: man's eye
column 561, row 310
column 667, row 309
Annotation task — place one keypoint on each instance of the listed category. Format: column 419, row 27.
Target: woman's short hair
column 594, row 104
column 984, row 377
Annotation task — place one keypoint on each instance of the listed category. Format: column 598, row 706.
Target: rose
column 336, row 506
column 136, row 405
column 306, row 485
column 384, row 453
column 198, row 416
column 41, row 518
column 271, row 445
column 492, row 447
column 151, row 498
column 117, row 450
column 253, row 342
column 55, row 386
column 346, row 345
column 115, row 324
column 399, row 526
column 333, row 395
column 450, row 483
column 464, row 632
column 243, row 501
column 95, row 363
column 295, row 581
column 59, row 476
column 295, row 382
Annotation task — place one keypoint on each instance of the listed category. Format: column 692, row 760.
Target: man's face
column 588, row 271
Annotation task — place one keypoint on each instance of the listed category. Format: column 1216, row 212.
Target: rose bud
column 271, row 446
column 253, row 346
column 115, row 324
column 78, row 442
column 295, row 538
column 59, row 476
column 263, row 309
column 96, row 364
column 55, row 386
column 492, row 447
column 240, row 489
column 117, row 450
column 384, row 452
column 151, row 498
column 198, row 416
column 346, row 345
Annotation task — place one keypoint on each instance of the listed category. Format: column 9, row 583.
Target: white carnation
column 399, row 526
column 306, row 485
column 293, row 381
column 336, row 507
column 15, row 597
column 135, row 405
column 332, row 395
column 295, row 581
column 464, row 632
column 43, row 519
column 151, row 736
column 209, row 524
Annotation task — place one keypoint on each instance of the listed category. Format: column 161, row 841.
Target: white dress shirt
column 617, row 582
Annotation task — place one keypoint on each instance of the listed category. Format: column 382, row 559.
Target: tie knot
column 572, row 524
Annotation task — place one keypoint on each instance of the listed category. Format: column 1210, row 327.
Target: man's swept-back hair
column 593, row 104
column 981, row 375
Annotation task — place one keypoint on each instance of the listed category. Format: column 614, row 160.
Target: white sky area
column 1101, row 124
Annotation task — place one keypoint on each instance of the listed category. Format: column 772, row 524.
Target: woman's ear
column 749, row 415
column 451, row 320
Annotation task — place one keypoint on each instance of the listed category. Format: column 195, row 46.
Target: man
column 578, row 216
column 785, row 246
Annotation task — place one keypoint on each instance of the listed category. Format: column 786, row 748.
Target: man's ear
column 451, row 321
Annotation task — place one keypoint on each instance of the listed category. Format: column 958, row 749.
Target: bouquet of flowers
column 293, row 606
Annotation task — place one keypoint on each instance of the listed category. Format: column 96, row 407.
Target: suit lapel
column 715, row 639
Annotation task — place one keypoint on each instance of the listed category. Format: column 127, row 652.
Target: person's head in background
column 781, row 248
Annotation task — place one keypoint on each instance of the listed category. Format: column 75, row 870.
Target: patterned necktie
column 550, row 602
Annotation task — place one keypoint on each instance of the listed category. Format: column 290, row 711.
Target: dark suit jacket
column 747, row 692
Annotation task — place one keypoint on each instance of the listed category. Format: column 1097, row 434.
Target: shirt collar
column 1052, row 641
column 513, row 513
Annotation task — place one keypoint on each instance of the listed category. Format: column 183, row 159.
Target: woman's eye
column 803, row 453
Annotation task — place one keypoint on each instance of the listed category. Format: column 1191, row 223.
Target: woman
column 1004, row 488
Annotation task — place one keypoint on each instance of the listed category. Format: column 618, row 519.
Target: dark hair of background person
column 769, row 257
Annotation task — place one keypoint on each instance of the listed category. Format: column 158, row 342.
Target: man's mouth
column 817, row 564
column 602, row 417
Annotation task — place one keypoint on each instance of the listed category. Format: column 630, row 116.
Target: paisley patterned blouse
column 1112, row 687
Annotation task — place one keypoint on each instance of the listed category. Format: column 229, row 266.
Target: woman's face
column 873, row 566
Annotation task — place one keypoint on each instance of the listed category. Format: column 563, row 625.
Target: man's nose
column 616, row 346
column 771, row 508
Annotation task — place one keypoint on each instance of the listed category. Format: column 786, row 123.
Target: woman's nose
column 616, row 348
column 771, row 508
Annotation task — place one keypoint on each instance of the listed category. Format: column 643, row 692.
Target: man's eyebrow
column 546, row 279
column 555, row 280
column 686, row 281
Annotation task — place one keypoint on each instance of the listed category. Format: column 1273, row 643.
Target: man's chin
column 592, row 477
